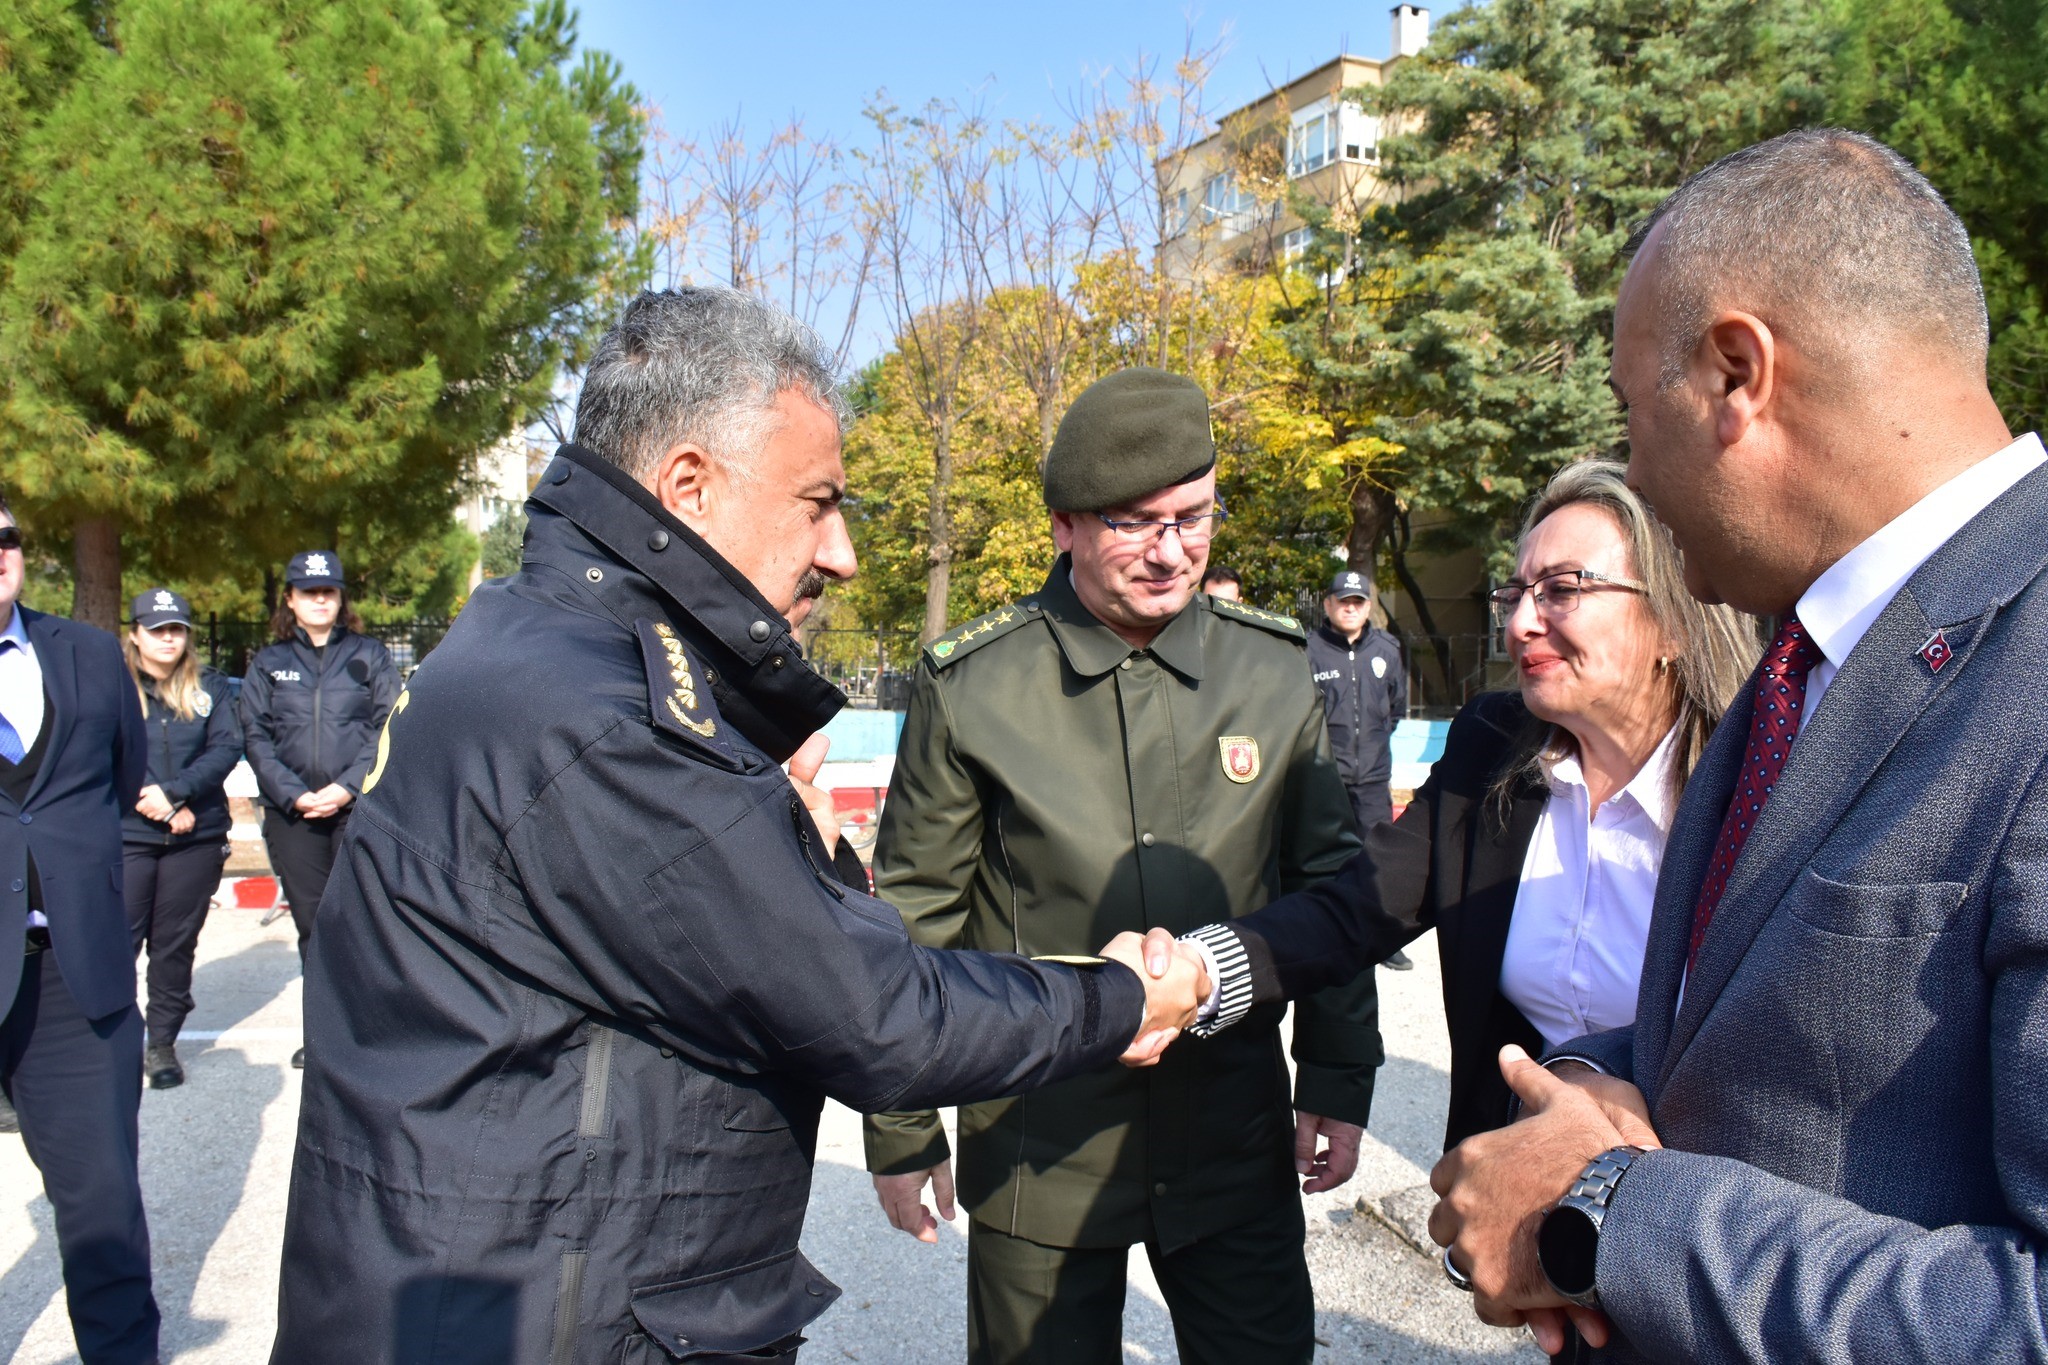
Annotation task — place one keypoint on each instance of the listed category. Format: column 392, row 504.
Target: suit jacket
column 70, row 823
column 1452, row 863
column 1853, row 1088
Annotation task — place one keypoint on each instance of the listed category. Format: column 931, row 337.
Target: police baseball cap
column 160, row 607
column 315, row 569
column 1351, row 583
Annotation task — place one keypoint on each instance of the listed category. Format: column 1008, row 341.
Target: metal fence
column 872, row 667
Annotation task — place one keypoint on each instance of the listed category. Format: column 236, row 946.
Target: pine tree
column 279, row 267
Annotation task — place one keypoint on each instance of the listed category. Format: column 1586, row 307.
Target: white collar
column 1650, row 788
column 1855, row 590
column 17, row 629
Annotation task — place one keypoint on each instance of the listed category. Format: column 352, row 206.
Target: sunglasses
column 10, row 537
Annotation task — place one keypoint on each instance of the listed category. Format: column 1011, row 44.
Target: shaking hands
column 1176, row 983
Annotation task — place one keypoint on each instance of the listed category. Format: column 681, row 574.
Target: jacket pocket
column 755, row 1313
column 1915, row 910
column 753, row 1108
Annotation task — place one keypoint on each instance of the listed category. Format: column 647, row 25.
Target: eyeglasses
column 1557, row 594
column 10, row 537
column 1192, row 530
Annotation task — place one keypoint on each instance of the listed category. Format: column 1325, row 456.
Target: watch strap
column 1588, row 1198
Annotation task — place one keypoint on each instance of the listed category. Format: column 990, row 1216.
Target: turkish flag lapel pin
column 1936, row 653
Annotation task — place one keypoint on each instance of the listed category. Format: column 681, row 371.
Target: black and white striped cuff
column 1233, row 983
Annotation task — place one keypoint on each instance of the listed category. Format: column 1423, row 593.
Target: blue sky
column 701, row 61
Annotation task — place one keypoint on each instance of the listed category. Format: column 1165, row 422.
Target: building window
column 1221, row 197
column 1313, row 145
column 1293, row 244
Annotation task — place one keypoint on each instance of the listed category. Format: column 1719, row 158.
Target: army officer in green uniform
column 1112, row 752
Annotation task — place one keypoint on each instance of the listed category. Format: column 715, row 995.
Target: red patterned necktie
column 1780, row 706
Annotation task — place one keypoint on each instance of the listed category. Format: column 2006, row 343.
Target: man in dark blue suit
column 71, row 761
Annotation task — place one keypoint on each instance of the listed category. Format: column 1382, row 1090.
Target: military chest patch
column 1240, row 757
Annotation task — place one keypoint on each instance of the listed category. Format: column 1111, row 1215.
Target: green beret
column 1128, row 434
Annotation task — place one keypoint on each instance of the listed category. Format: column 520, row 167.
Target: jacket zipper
column 803, row 836
column 319, row 683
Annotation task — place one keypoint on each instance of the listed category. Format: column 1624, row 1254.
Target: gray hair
column 702, row 365
column 1829, row 236
column 1716, row 646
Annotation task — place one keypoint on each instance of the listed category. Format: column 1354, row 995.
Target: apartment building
column 1226, row 199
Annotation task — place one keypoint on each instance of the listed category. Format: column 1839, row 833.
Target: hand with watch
column 1520, row 1207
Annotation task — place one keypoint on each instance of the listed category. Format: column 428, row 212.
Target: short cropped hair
column 1825, row 234
column 1221, row 573
column 703, row 365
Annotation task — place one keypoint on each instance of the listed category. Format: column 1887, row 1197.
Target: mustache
column 812, row 584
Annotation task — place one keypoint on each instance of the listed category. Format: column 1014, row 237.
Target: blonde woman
column 174, row 841
column 1533, row 848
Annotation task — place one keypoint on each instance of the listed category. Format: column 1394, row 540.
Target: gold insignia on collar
column 944, row 647
column 1240, row 757
column 684, row 698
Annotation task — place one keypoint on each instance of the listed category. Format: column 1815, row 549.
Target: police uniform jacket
column 582, row 983
column 1365, row 693
column 190, row 760
column 1054, row 787
column 311, row 716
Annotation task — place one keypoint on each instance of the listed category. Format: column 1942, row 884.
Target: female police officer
column 173, row 841
column 312, row 707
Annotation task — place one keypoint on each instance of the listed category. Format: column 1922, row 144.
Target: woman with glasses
column 175, row 839
column 1533, row 847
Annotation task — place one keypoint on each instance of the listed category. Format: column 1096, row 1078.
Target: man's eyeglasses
column 10, row 537
column 1557, row 594
column 1191, row 530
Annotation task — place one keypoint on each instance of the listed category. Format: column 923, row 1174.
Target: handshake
column 1176, row 978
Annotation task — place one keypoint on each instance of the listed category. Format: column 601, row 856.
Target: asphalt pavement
column 216, row 1157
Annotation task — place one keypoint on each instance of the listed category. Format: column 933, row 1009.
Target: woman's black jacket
column 312, row 716
column 190, row 760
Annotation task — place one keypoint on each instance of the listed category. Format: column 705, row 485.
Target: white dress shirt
column 21, row 695
column 1575, row 946
column 1844, row 602
column 21, row 682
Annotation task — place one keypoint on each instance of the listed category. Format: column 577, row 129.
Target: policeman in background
column 1113, row 750
column 582, row 981
column 1364, row 681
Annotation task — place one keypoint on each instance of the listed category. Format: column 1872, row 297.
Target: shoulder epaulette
column 676, row 701
column 958, row 643
column 1255, row 616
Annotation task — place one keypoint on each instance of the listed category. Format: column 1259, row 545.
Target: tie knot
column 1793, row 652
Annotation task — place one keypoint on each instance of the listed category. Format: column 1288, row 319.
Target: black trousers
column 1240, row 1297
column 302, row 855
column 168, row 892
column 1371, row 804
column 76, row 1085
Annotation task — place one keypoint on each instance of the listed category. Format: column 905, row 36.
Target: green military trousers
column 1239, row 1297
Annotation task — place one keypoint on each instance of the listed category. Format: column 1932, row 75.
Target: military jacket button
column 594, row 574
column 1160, row 1188
column 1125, row 664
column 758, row 631
column 27, row 819
column 17, row 884
column 658, row 541
column 1146, row 839
column 668, row 1052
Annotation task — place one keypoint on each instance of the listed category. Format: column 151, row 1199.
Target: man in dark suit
column 71, row 762
column 1823, row 1137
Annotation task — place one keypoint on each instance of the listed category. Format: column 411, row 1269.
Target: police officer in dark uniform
column 1117, row 748
column 1364, row 681
column 583, row 980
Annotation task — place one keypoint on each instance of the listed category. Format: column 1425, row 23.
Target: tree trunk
column 938, row 583
column 1424, row 617
column 96, row 568
column 1372, row 515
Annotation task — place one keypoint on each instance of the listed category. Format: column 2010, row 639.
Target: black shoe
column 1398, row 961
column 8, row 1122
column 162, row 1065
column 299, row 1060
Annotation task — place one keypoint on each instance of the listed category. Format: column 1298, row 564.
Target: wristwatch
column 1568, row 1240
